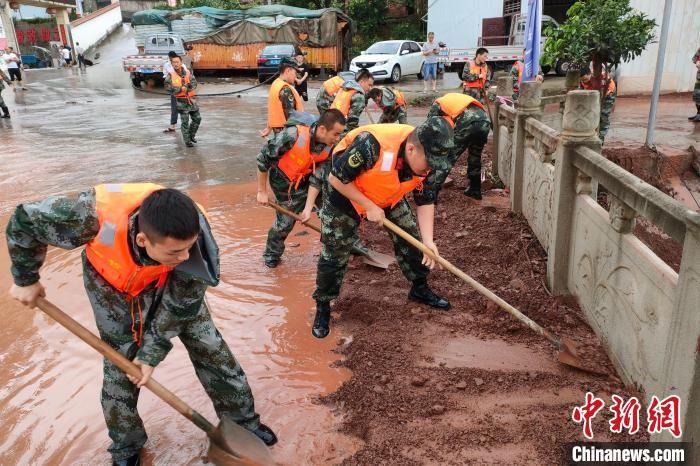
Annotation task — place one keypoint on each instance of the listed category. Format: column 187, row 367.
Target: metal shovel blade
column 233, row 445
column 373, row 258
column 569, row 355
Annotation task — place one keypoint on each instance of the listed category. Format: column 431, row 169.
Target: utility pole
column 659, row 72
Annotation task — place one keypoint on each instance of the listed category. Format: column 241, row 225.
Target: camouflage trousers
column 294, row 200
column 188, row 112
column 217, row 369
column 323, row 101
column 696, row 92
column 606, row 109
column 339, row 233
column 394, row 115
column 474, row 92
column 471, row 132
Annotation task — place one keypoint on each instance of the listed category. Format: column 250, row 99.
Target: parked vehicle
column 270, row 59
column 501, row 57
column 390, row 59
column 149, row 65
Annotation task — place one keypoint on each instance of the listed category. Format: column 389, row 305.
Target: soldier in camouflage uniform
column 324, row 99
column 471, row 131
column 696, row 90
column 4, row 79
column 475, row 76
column 139, row 327
column 184, row 92
column 391, row 102
column 351, row 99
column 292, row 193
column 608, row 102
column 287, row 100
column 426, row 147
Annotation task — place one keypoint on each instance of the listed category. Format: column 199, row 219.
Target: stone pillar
column 64, row 29
column 529, row 104
column 682, row 358
column 581, row 115
column 504, row 89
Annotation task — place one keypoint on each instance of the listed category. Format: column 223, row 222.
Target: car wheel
column 561, row 68
column 546, row 69
column 396, row 74
column 262, row 78
column 420, row 73
column 136, row 82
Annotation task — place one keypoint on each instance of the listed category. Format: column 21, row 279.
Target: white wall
column 96, row 26
column 458, row 22
column 637, row 76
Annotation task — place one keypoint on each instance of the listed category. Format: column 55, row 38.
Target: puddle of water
column 49, row 401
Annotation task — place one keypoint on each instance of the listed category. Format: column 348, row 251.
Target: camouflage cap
column 437, row 138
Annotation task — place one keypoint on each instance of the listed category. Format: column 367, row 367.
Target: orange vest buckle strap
column 109, row 252
column 275, row 111
column 343, row 100
column 299, row 161
column 178, row 81
column 454, row 104
column 381, row 184
column 400, row 99
column 333, row 85
column 478, row 70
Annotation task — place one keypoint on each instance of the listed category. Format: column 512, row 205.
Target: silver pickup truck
column 149, row 66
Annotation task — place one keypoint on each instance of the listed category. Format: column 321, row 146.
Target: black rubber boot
column 5, row 112
column 193, row 139
column 422, row 293
column 474, row 190
column 271, row 263
column 265, row 434
column 130, row 461
column 322, row 320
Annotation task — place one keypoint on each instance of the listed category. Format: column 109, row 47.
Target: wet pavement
column 72, row 130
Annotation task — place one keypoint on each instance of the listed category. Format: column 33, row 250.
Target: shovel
column 230, row 444
column 373, row 258
column 567, row 348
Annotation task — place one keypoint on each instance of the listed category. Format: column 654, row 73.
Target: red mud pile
column 471, row 385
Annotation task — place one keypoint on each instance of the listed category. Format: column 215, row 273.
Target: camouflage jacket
column 71, row 222
column 278, row 145
column 471, row 77
column 357, row 105
column 360, row 156
column 4, row 79
column 388, row 102
column 288, row 101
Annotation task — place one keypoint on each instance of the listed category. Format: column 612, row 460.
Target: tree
column 602, row 32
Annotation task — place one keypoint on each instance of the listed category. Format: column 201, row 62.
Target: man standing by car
column 350, row 99
column 475, row 76
column 430, row 51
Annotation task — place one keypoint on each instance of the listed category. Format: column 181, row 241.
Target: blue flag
column 533, row 34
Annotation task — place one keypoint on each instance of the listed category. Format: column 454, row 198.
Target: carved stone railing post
column 529, row 105
column 580, row 121
column 504, row 89
column 682, row 352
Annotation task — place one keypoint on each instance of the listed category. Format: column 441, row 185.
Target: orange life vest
column 400, row 99
column 333, row 85
column 611, row 85
column 275, row 111
column 380, row 184
column 521, row 67
column 478, row 70
column 453, row 104
column 178, row 81
column 109, row 252
column 342, row 100
column 299, row 161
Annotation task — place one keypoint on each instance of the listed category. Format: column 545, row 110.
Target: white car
column 390, row 59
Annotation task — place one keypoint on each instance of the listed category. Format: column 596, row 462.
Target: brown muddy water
column 49, row 400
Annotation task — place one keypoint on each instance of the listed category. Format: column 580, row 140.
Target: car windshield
column 278, row 50
column 384, row 48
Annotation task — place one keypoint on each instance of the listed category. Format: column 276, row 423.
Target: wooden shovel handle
column 293, row 215
column 473, row 283
column 124, row 364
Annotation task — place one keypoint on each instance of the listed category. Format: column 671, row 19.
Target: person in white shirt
column 168, row 69
column 81, row 55
column 13, row 68
column 65, row 53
